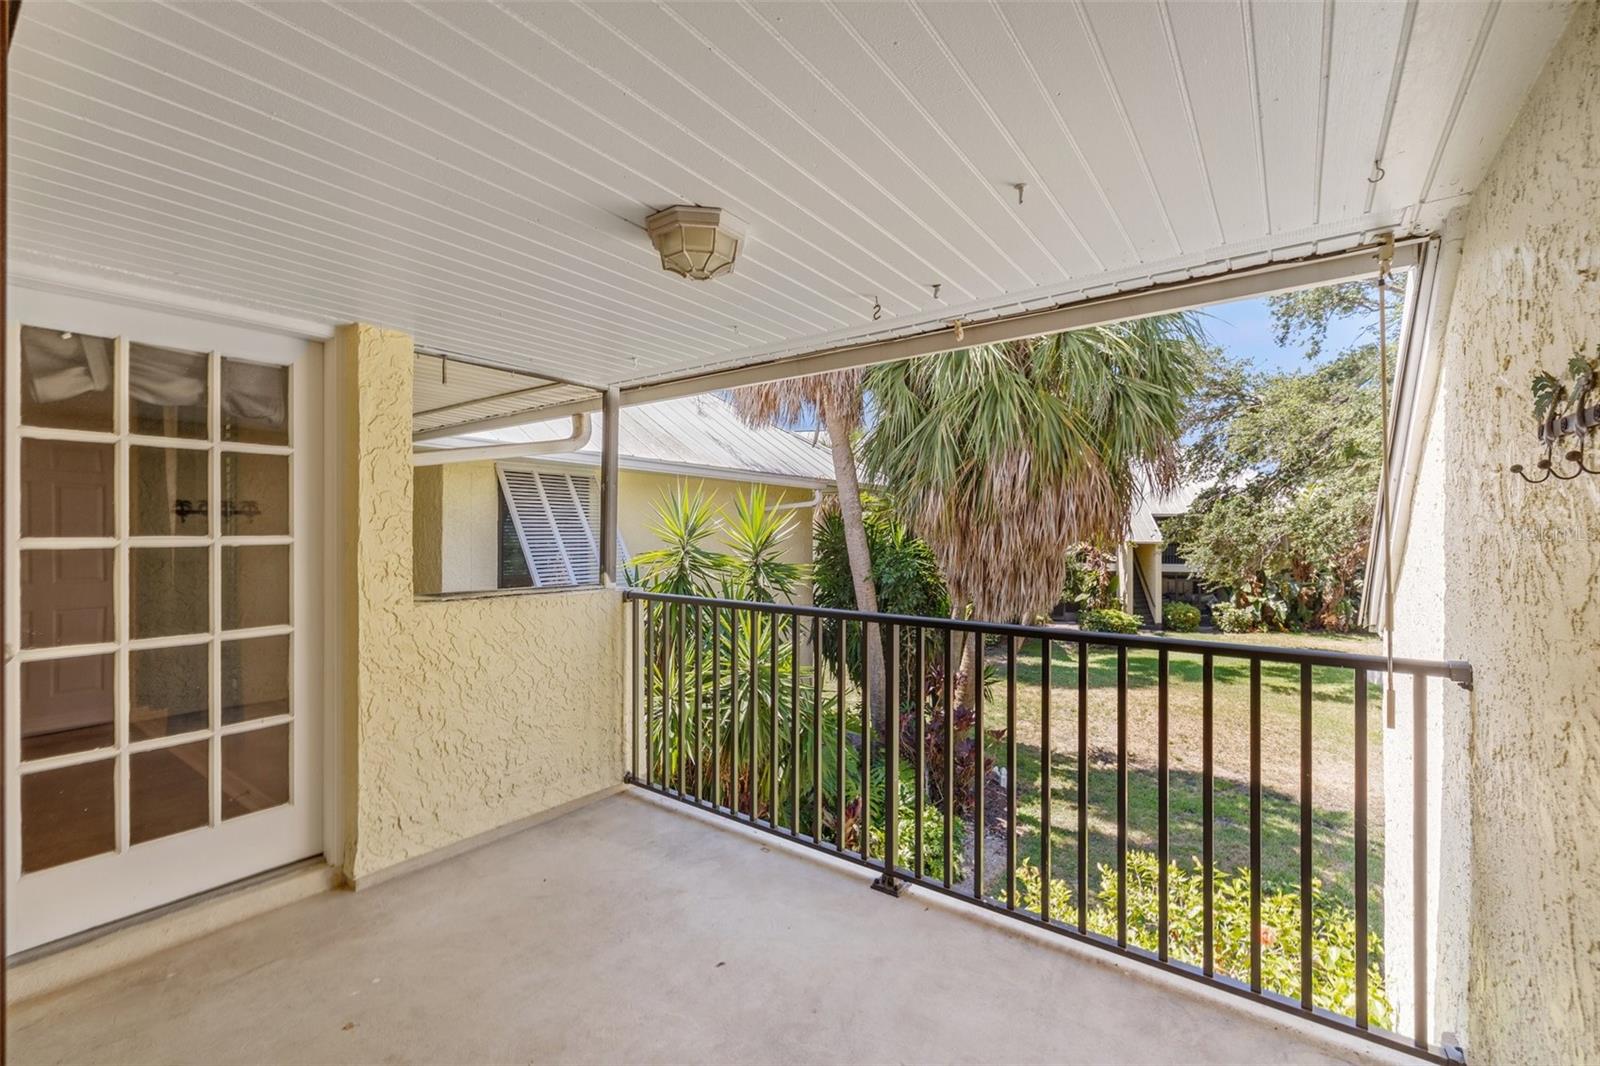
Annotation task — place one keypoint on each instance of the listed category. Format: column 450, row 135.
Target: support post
column 609, row 411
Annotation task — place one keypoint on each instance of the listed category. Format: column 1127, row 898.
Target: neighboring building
column 1150, row 567
column 532, row 523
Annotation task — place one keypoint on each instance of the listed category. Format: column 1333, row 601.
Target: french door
column 163, row 710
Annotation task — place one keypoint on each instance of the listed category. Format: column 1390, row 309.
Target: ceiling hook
column 1020, row 186
column 1378, row 173
column 935, row 287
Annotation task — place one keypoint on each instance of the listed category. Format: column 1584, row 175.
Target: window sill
column 491, row 594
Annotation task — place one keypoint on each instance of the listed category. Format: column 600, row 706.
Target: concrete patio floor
column 635, row 931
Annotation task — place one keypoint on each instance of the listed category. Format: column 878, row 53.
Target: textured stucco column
column 1509, row 574
column 457, row 717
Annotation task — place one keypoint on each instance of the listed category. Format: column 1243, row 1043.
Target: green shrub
column 1180, row 617
column 1108, row 620
column 904, row 573
column 1090, row 579
column 1236, row 619
column 1333, row 928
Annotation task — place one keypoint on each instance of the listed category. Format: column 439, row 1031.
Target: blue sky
column 1243, row 329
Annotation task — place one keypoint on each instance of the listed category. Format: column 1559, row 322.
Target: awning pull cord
column 1385, row 261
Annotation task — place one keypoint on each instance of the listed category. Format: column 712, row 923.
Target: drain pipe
column 570, row 443
column 816, row 498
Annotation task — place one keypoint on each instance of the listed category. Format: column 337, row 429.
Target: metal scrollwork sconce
column 1564, row 411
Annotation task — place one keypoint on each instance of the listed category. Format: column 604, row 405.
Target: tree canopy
column 1295, row 459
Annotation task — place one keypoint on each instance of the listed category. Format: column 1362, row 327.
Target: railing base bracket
column 889, row 886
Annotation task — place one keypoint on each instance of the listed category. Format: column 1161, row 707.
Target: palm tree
column 1002, row 457
column 835, row 398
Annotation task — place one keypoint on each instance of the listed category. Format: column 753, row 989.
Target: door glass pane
column 68, row 489
column 255, row 585
column 67, row 814
column 166, row 392
column 255, row 678
column 255, row 770
column 167, row 790
column 68, row 705
column 255, row 494
column 68, row 380
column 255, row 402
column 67, row 597
column 168, row 691
column 168, row 590
column 168, row 492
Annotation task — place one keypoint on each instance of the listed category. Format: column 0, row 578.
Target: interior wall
column 1517, row 573
column 458, row 716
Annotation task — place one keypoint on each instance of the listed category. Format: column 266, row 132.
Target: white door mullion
column 13, row 618
column 214, row 657
column 122, row 606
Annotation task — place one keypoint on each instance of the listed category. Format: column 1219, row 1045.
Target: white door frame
column 56, row 902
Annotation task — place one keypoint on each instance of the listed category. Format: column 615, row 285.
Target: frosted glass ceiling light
column 697, row 242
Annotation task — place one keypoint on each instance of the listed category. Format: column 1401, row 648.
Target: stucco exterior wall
column 1509, row 574
column 458, row 716
column 467, row 522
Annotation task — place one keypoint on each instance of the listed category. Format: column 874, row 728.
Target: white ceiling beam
column 1096, row 311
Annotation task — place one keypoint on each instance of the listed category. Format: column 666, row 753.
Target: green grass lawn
column 1333, row 738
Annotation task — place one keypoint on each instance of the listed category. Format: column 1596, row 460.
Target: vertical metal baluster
column 1361, row 848
column 891, row 767
column 699, row 709
column 816, row 730
column 638, row 672
column 1122, row 796
column 1045, row 749
column 1255, row 824
column 949, row 756
column 774, row 762
column 1208, row 833
column 1162, row 803
column 1011, row 773
column 866, row 744
column 683, row 696
column 1083, row 786
column 838, row 737
column 921, row 741
column 755, row 715
column 794, row 725
column 716, row 706
column 1419, row 855
column 735, row 740
column 649, row 691
column 979, row 778
column 1305, row 836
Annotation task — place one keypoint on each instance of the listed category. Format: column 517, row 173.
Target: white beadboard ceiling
column 478, row 174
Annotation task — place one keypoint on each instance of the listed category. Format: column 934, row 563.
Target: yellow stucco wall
column 464, row 517
column 456, row 716
column 1509, row 574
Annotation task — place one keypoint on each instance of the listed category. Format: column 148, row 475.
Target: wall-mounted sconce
column 184, row 508
column 1565, row 413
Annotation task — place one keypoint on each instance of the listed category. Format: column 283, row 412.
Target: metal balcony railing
column 763, row 713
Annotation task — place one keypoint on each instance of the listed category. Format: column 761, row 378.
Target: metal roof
column 698, row 435
column 1142, row 525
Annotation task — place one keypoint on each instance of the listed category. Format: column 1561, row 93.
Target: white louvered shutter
column 554, row 514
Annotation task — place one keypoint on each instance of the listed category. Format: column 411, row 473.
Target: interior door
column 163, row 706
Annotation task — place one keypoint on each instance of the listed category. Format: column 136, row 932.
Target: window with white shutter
column 555, row 519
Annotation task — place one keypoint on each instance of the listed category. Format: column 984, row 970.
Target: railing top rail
column 1451, row 669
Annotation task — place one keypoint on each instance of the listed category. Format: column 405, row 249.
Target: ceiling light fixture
column 700, row 243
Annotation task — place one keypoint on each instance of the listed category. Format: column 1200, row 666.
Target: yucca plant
column 756, row 534
column 686, row 520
